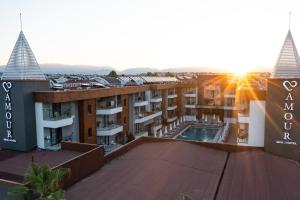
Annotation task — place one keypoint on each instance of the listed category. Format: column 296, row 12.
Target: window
column 90, row 110
column 90, row 132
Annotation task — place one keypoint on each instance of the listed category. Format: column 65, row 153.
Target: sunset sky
column 229, row 35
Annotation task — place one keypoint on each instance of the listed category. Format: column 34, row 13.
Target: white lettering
column 286, row 136
column 289, row 97
column 8, row 115
column 287, row 128
column 288, row 116
column 8, row 124
column 287, row 107
column 7, row 106
column 8, row 134
column 7, row 97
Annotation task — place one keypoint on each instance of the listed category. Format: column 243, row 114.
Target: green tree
column 169, row 74
column 185, row 197
column 113, row 73
column 43, row 181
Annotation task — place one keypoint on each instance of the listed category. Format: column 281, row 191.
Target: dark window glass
column 90, row 110
column 90, row 132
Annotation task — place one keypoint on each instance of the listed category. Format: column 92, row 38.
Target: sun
column 240, row 71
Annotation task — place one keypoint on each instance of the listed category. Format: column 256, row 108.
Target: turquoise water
column 200, row 134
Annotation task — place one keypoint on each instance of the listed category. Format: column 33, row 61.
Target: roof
column 155, row 171
column 287, row 65
column 22, row 64
column 18, row 163
column 164, row 170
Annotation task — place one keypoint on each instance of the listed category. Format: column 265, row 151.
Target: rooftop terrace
column 164, row 170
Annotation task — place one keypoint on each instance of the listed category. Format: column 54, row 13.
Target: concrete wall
column 256, row 132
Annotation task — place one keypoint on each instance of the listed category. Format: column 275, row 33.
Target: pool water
column 199, row 134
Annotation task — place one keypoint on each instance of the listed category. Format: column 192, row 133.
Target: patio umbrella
column 178, row 122
column 205, row 118
column 160, row 133
column 171, row 127
column 166, row 129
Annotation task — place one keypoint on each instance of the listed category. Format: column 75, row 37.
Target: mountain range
column 104, row 70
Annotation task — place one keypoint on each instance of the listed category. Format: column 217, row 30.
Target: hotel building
column 39, row 113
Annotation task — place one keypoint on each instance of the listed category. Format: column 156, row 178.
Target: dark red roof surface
column 18, row 164
column 164, row 170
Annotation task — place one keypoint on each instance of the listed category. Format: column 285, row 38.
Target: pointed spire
column 22, row 64
column 287, row 65
column 21, row 20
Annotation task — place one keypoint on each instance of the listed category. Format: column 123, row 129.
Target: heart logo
column 6, row 86
column 289, row 85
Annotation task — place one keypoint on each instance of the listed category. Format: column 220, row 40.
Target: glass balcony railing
column 109, row 127
column 191, row 92
column 109, row 105
column 54, row 116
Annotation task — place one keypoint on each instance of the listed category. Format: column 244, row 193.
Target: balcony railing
column 139, row 99
column 109, row 106
column 143, row 117
column 50, row 116
column 109, row 127
column 191, row 92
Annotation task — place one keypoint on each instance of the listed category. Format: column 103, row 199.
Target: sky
column 231, row 35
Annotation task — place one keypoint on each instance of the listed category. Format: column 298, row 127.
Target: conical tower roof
column 22, row 64
column 287, row 65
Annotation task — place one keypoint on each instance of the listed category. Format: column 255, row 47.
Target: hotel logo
column 8, row 114
column 288, row 116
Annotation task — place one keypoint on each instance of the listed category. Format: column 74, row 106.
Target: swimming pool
column 204, row 134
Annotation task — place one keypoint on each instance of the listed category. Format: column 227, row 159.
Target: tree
column 185, row 197
column 43, row 181
column 169, row 74
column 113, row 73
column 151, row 74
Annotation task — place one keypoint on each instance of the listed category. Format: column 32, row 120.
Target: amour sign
column 288, row 107
column 7, row 86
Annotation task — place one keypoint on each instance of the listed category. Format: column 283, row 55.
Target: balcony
column 190, row 94
column 109, row 130
column 190, row 104
column 141, row 133
column 171, row 119
column 230, row 108
column 229, row 95
column 243, row 118
column 172, row 107
column 143, row 117
column 156, row 99
column 140, row 102
column 56, row 120
column 109, row 110
column 172, row 96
